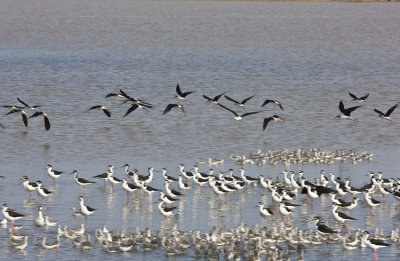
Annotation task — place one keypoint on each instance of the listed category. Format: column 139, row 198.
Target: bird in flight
column 101, row 108
column 386, row 115
column 135, row 103
column 237, row 116
column 272, row 101
column 45, row 117
column 272, row 118
column 181, row 95
column 213, row 100
column 237, row 103
column 361, row 99
column 346, row 112
column 172, row 106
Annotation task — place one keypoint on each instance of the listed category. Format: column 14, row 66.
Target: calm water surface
column 67, row 55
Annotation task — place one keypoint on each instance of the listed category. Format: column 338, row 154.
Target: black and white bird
column 386, row 115
column 266, row 212
column 23, row 114
column 213, row 100
column 272, row 101
column 174, row 106
column 136, row 103
column 374, row 244
column 341, row 217
column 346, row 112
column 85, row 210
column 11, row 215
column 40, row 220
column 54, row 174
column 28, row 185
column 181, row 95
column 272, row 118
column 323, row 229
column 358, row 99
column 32, row 108
column 43, row 192
column 101, row 108
column 81, row 181
column 165, row 211
column 45, row 117
column 239, row 103
column 237, row 116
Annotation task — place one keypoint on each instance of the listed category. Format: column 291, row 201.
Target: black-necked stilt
column 54, row 174
column 237, row 103
column 186, row 174
column 237, row 116
column 29, row 186
column 113, row 94
column 174, row 106
column 32, row 108
column 150, row 190
column 351, row 189
column 374, row 244
column 167, row 199
column 340, row 216
column 11, row 215
column 85, row 210
column 45, row 117
column 272, row 118
column 386, row 115
column 171, row 192
column 213, row 100
column 183, row 185
column 181, row 95
column 23, row 114
column 165, row 211
column 198, row 174
column 249, row 180
column 284, row 210
column 371, row 201
column 43, row 192
column 101, row 108
column 266, row 212
column 272, row 101
column 347, row 205
column 323, row 229
column 81, row 181
column 104, row 176
column 168, row 178
column 358, row 99
column 346, row 112
column 128, row 187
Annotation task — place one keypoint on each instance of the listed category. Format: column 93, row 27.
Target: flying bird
column 45, row 117
column 237, row 103
column 361, row 99
column 135, row 103
column 33, row 108
column 272, row 101
column 346, row 112
column 272, row 118
column 213, row 100
column 172, row 106
column 386, row 115
column 23, row 114
column 181, row 95
column 101, row 108
column 237, row 116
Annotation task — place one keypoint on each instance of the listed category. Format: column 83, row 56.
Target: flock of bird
column 136, row 103
column 275, row 242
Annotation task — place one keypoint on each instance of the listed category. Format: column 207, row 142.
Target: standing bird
column 272, row 101
column 346, row 112
column 181, row 95
column 45, row 117
column 54, row 174
column 237, row 103
column 323, row 229
column 172, row 106
column 213, row 100
column 266, row 212
column 272, row 118
column 85, row 210
column 361, row 99
column 81, row 181
column 165, row 211
column 374, row 244
column 43, row 192
column 237, row 116
column 101, row 108
column 386, row 115
column 11, row 215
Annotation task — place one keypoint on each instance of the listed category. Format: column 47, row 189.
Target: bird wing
column 25, row 119
column 249, row 113
column 265, row 123
column 349, row 110
column 379, row 112
column 46, row 123
column 266, row 102
column 169, row 107
column 341, row 107
column 21, row 101
column 245, row 100
column 391, row 110
column 186, row 94
column 228, row 109
column 216, row 98
column 232, row 100
column 353, row 96
column 178, row 90
column 207, row 98
column 126, row 95
column 131, row 109
column 107, row 112
column 364, row 97
column 94, row 107
column 111, row 95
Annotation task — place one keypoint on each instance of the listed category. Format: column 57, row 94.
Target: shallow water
column 66, row 56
